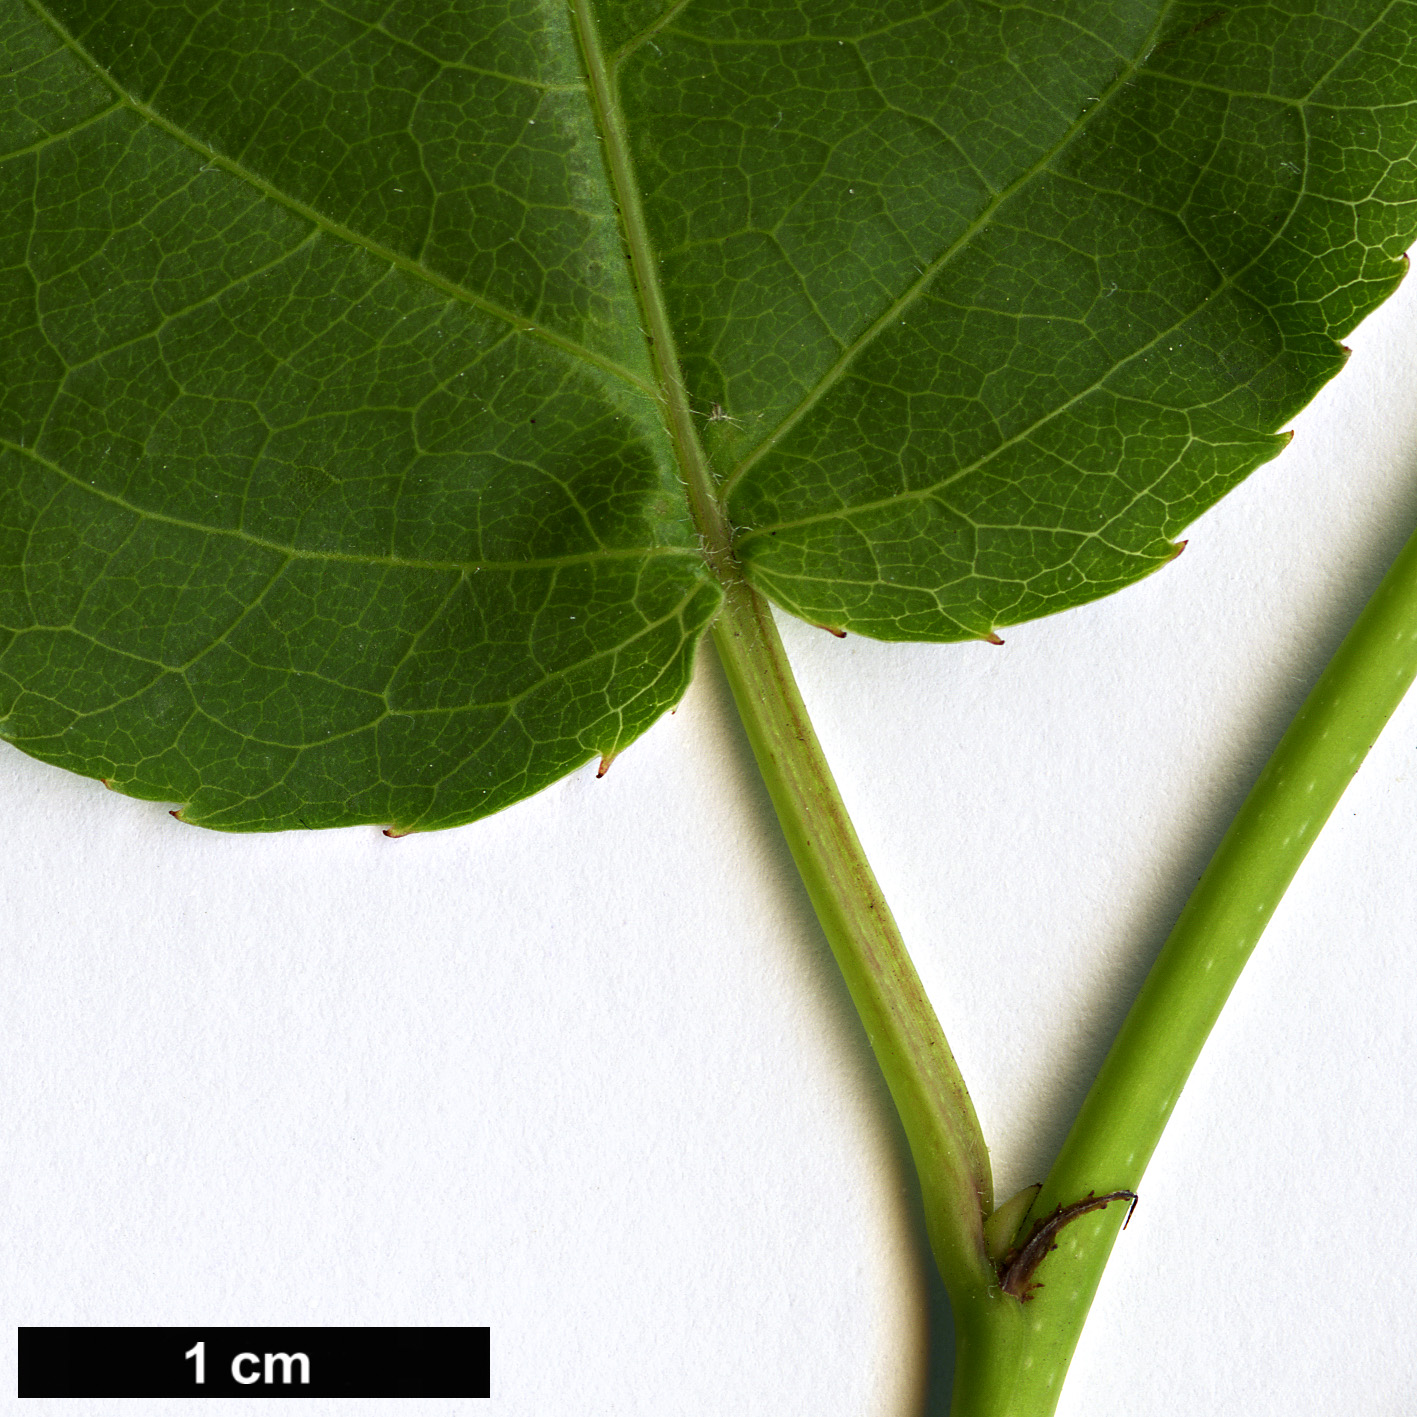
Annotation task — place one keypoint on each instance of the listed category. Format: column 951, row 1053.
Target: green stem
column 1129, row 1104
column 1011, row 1357
column 919, row 1068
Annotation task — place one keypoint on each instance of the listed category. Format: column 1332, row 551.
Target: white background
column 585, row 1072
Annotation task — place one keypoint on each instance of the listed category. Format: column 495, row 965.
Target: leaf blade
column 304, row 537
column 972, row 307
column 1096, row 348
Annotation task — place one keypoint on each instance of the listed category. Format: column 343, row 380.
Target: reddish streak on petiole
column 1017, row 1267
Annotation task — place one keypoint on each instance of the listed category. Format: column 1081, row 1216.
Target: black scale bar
column 255, row 1362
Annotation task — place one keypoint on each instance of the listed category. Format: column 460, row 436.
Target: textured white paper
column 585, row 1072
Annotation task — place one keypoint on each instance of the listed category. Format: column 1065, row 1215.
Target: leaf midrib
column 703, row 496
column 522, row 324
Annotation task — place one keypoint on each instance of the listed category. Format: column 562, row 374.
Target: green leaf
column 377, row 381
